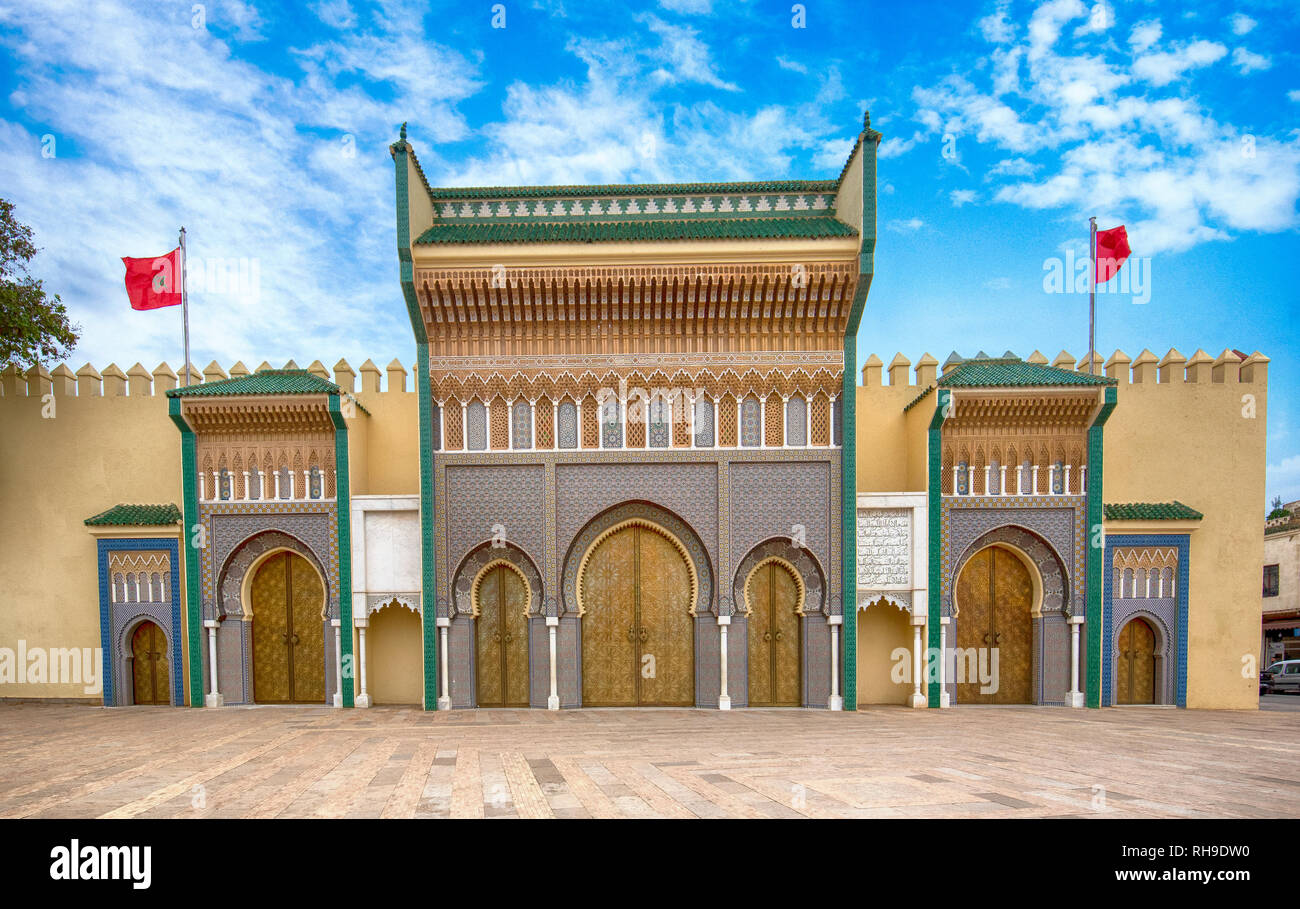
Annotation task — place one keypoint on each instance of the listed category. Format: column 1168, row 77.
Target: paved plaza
column 882, row 762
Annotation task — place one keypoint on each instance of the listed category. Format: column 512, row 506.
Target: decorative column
column 214, row 698
column 836, row 700
column 943, row 661
column 363, row 699
column 553, row 699
column 444, row 699
column 1075, row 696
column 248, row 490
column 1035, row 470
column 201, row 497
column 1065, row 488
column 724, row 697
column 918, row 694
column 338, row 661
column 1002, row 479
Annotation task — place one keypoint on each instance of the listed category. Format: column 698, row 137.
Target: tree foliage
column 34, row 326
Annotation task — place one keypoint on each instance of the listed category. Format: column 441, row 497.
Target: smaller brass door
column 149, row 665
column 288, row 632
column 994, row 595
column 773, row 626
column 1136, row 667
column 501, row 639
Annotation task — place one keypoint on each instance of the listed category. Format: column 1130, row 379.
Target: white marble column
column 724, row 696
column 919, row 698
column 553, row 699
column 1076, row 696
column 337, row 625
column 943, row 661
column 836, row 700
column 362, row 699
column 444, row 696
column 214, row 698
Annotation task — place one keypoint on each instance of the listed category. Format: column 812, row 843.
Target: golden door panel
column 1136, row 668
column 665, row 628
column 501, row 633
column 1013, row 630
column 288, row 632
column 774, row 639
column 609, row 652
column 994, row 599
column 149, row 665
column 308, row 638
column 271, row 631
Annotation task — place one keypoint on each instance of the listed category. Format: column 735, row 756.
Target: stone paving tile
column 74, row 761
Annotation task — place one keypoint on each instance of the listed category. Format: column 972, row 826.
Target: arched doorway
column 395, row 655
column 637, row 630
column 151, row 677
column 995, row 635
column 288, row 601
column 501, row 638
column 773, row 599
column 1136, row 667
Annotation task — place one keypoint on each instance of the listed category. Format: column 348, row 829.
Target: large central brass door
column 288, row 632
column 994, row 599
column 773, row 598
column 501, row 638
column 1136, row 667
column 149, row 665
column 638, row 637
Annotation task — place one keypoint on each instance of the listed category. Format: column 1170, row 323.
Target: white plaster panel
column 392, row 550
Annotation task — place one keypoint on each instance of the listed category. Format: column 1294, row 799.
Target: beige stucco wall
column 882, row 628
column 98, row 451
column 395, row 657
column 1195, row 442
column 54, row 473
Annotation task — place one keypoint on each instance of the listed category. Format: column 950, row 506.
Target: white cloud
column 906, row 226
column 335, row 13
column 1249, row 62
column 793, row 66
column 695, row 7
column 1144, row 35
column 1294, row 94
column 1074, row 126
column 1284, row 479
column 996, row 27
column 961, row 197
column 1242, row 24
column 686, row 57
column 1163, row 67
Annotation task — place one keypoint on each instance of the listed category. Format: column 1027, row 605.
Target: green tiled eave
column 798, row 228
column 1015, row 373
column 136, row 515
column 446, row 193
column 1152, row 511
column 266, row 382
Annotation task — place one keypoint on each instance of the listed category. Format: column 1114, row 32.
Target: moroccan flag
column 155, row 282
column 1112, row 250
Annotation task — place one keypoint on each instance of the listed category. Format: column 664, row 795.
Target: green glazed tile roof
column 266, row 382
column 632, row 189
column 139, row 515
column 1152, row 511
column 815, row 227
column 1013, row 372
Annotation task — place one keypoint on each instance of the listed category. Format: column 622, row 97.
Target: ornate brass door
column 994, row 599
column 501, row 636
column 288, row 632
column 1136, row 669
column 638, row 637
column 773, row 598
column 149, row 665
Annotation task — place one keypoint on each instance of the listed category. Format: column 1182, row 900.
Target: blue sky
column 264, row 129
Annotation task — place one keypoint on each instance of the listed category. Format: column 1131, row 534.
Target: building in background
column 1280, row 639
column 640, row 463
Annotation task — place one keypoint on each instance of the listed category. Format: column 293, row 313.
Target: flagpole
column 1092, row 296
column 185, row 310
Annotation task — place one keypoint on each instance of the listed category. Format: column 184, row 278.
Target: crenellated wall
column 74, row 444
